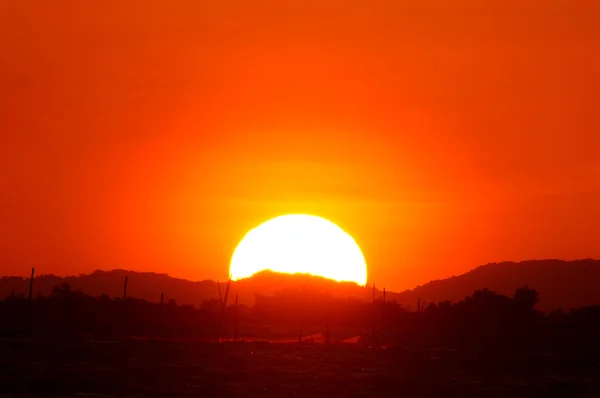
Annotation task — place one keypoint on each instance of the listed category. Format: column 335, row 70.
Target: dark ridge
column 560, row 284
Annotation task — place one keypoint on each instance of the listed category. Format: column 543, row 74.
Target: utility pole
column 29, row 302
column 373, row 291
column 235, row 326
column 125, row 308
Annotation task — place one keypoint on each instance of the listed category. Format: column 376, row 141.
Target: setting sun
column 300, row 243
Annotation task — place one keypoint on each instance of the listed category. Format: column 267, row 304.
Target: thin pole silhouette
column 160, row 307
column 220, row 295
column 373, row 291
column 125, row 307
column 235, row 326
column 383, row 313
column 31, row 283
column 223, row 309
column 29, row 302
column 373, row 312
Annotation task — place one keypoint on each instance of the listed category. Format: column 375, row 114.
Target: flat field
column 135, row 368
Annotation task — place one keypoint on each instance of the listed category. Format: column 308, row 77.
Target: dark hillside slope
column 560, row 284
column 144, row 285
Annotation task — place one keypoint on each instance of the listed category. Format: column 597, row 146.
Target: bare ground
column 181, row 369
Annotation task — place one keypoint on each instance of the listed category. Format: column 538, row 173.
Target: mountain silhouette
column 560, row 284
column 144, row 285
column 149, row 286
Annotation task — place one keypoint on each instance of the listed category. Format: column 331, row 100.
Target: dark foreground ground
column 170, row 369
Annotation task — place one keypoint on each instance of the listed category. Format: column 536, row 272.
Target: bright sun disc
column 300, row 243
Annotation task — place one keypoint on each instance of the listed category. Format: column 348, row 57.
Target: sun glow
column 300, row 243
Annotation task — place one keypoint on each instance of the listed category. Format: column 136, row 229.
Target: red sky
column 152, row 135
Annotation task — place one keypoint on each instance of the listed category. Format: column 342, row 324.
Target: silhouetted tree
column 485, row 316
column 525, row 298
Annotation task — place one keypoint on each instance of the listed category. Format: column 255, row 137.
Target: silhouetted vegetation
column 561, row 284
column 68, row 313
column 483, row 316
column 484, row 345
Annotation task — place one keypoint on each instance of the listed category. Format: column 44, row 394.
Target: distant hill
column 560, row 284
column 269, row 283
column 145, row 285
column 149, row 286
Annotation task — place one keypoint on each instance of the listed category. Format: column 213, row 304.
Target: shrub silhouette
column 484, row 316
column 526, row 298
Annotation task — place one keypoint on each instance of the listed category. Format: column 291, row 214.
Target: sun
column 300, row 243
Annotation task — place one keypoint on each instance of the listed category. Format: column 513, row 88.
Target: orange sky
column 151, row 135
